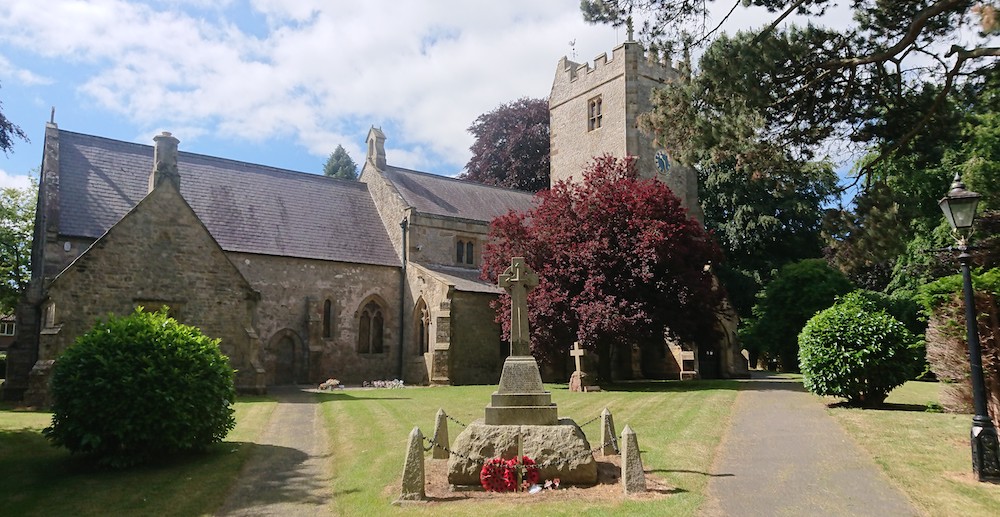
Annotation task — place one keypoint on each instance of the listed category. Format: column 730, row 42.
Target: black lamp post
column 959, row 207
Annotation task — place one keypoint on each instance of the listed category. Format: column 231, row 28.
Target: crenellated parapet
column 573, row 78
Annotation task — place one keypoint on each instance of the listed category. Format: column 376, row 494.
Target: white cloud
column 19, row 181
column 318, row 71
column 7, row 69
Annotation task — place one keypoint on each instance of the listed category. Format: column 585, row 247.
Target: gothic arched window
column 468, row 253
column 459, row 252
column 370, row 329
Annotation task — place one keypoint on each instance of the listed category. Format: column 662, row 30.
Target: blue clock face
column 662, row 161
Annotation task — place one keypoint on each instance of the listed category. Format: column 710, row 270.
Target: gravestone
column 521, row 413
column 580, row 380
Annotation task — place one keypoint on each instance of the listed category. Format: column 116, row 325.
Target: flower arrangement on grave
column 500, row 475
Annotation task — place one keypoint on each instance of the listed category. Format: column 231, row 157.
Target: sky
column 282, row 83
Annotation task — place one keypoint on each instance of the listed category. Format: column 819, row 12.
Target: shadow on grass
column 671, row 386
column 311, row 395
column 885, row 406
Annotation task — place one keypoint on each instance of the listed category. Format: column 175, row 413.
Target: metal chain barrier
column 449, row 417
column 591, row 421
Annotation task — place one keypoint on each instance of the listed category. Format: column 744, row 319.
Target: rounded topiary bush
column 141, row 386
column 855, row 351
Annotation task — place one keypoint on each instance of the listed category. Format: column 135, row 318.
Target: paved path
column 784, row 455
column 287, row 474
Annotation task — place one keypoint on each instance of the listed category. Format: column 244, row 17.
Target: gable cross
column 518, row 279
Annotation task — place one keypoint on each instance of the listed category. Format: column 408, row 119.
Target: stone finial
column 440, row 436
column 607, row 434
column 633, row 477
column 164, row 161
column 413, row 470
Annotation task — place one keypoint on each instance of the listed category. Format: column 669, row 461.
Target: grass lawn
column 679, row 426
column 927, row 454
column 38, row 479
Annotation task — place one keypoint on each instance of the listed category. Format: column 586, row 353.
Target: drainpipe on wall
column 402, row 298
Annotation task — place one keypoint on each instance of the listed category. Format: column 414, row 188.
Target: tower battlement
column 572, row 78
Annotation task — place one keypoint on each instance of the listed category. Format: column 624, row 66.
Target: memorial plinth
column 521, row 399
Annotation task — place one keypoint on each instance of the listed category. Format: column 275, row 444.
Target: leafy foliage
column 512, row 146
column 619, row 263
column 855, row 351
column 141, row 386
column 802, row 88
column 797, row 292
column 8, row 132
column 947, row 349
column 17, row 222
column 340, row 165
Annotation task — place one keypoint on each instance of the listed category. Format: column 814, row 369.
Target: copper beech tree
column 620, row 264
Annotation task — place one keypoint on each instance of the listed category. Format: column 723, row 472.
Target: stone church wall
column 391, row 207
column 572, row 144
column 159, row 254
column 432, row 240
column 478, row 353
column 293, row 292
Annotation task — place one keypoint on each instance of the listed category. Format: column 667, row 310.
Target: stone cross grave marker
column 518, row 279
column 577, row 354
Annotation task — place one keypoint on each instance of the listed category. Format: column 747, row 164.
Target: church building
column 301, row 276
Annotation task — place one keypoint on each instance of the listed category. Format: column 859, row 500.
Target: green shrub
column 856, row 351
column 797, row 292
column 947, row 349
column 141, row 386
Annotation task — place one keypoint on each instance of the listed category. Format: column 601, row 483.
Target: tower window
column 459, row 252
column 468, row 253
column 594, row 113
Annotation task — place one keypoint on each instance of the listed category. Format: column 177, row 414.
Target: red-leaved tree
column 619, row 262
column 512, row 146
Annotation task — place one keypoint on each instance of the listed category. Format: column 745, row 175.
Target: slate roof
column 246, row 207
column 440, row 195
column 464, row 279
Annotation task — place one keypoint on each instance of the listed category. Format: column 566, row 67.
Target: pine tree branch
column 919, row 22
column 775, row 23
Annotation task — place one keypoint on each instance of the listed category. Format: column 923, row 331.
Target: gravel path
column 784, row 455
column 288, row 474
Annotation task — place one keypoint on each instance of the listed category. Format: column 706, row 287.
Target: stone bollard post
column 413, row 470
column 607, row 434
column 633, row 477
column 440, row 436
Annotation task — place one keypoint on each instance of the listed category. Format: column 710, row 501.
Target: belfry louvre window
column 594, row 113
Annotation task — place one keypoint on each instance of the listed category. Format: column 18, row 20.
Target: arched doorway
column 286, row 359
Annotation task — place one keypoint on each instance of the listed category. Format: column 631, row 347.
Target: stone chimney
column 165, row 162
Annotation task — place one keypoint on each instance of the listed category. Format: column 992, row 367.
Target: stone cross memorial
column 518, row 279
column 521, row 414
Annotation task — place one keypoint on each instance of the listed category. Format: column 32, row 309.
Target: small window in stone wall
column 7, row 328
column 327, row 318
column 594, row 113
column 370, row 329
column 465, row 252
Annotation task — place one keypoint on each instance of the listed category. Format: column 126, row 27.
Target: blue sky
column 282, row 83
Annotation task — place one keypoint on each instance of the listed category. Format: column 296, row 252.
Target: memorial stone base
column 562, row 450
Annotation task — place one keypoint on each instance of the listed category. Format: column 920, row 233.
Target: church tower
column 593, row 110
